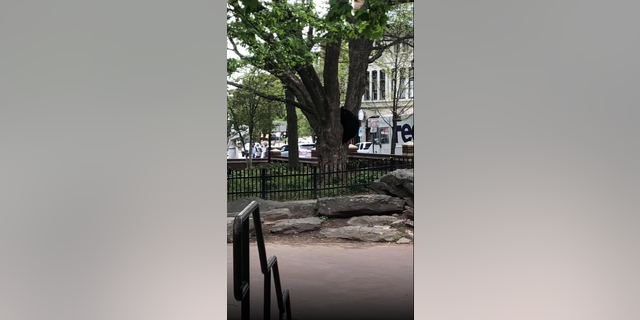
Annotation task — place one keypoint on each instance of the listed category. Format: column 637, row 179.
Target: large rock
column 402, row 223
column 238, row 205
column 270, row 215
column 294, row 226
column 367, row 234
column 371, row 221
column 276, row 214
column 376, row 204
column 409, row 201
column 297, row 209
column 397, row 183
column 409, row 213
column 300, row 208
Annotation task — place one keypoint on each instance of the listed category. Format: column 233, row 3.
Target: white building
column 389, row 88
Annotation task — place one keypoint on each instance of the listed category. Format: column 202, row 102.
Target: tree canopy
column 286, row 39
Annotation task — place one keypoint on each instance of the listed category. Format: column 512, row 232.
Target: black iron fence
column 278, row 182
column 241, row 287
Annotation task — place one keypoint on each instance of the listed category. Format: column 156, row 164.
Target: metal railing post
column 263, row 183
column 314, row 179
column 241, row 265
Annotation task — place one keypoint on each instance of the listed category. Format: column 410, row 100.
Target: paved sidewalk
column 330, row 281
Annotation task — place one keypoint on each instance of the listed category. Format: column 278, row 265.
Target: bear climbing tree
column 350, row 124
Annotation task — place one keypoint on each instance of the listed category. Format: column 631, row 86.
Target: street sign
column 373, row 125
column 360, row 133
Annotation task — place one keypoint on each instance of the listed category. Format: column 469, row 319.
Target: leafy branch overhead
column 284, row 35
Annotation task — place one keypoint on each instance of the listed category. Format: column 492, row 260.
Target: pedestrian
column 264, row 149
column 256, row 150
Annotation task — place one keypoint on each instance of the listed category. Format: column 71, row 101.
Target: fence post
column 392, row 164
column 314, row 179
column 263, row 183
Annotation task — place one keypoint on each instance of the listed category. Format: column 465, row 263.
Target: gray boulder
column 376, row 204
column 402, row 223
column 371, row 221
column 294, row 226
column 240, row 204
column 300, row 208
column 270, row 215
column 297, row 209
column 397, row 183
column 367, row 234
column 409, row 212
column 276, row 214
column 409, row 201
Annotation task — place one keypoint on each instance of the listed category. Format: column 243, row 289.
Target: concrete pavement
column 334, row 281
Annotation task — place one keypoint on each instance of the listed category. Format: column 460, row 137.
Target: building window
column 384, row 136
column 383, row 86
column 366, row 88
column 374, row 82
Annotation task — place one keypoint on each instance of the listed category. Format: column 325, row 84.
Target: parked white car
column 367, row 147
column 304, row 150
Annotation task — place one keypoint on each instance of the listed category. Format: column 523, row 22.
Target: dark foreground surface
column 334, row 281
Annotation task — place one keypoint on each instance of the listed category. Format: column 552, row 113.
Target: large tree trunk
column 323, row 99
column 359, row 51
column 292, row 128
column 332, row 153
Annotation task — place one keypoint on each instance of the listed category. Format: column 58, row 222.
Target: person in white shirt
column 265, row 145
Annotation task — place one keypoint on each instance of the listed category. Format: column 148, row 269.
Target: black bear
column 350, row 124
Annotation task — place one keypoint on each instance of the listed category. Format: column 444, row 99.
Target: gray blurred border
column 111, row 139
column 529, row 118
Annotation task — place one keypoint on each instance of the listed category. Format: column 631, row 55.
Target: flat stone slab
column 297, row 209
column 276, row 214
column 403, row 240
column 402, row 222
column 300, row 208
column 269, row 215
column 376, row 204
column 366, row 234
column 294, row 226
column 371, row 221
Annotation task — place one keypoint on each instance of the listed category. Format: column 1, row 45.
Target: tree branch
column 310, row 38
column 381, row 48
column 268, row 96
column 235, row 48
column 394, row 2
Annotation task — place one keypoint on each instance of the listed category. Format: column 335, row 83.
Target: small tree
column 249, row 114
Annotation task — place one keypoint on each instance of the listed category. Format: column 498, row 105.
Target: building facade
column 389, row 91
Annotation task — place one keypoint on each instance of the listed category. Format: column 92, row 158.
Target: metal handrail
column 241, row 282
